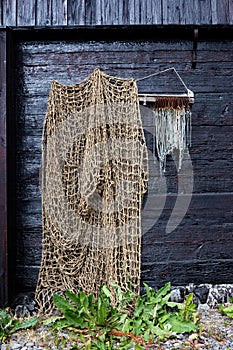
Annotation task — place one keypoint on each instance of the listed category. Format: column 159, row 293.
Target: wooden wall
column 3, row 169
column 114, row 12
column 200, row 248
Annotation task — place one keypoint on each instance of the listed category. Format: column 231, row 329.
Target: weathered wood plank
column 214, row 12
column 122, row 13
column 214, row 208
column 26, row 13
column 230, row 12
column 3, row 177
column 163, row 248
column 131, row 11
column 26, row 278
column 223, row 11
column 9, row 13
column 187, row 12
column 204, row 12
column 59, row 12
column 90, row 11
column 217, row 177
column 1, row 14
column 107, row 9
column 76, row 13
column 44, row 13
column 156, row 10
column 151, row 47
column 12, row 102
column 171, row 11
column 114, row 12
column 156, row 275
column 217, row 272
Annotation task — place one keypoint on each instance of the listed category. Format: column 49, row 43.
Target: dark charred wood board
column 3, row 175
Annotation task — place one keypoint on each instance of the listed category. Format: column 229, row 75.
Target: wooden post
column 3, row 175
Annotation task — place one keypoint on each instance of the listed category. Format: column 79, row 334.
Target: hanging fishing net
column 172, row 119
column 94, row 174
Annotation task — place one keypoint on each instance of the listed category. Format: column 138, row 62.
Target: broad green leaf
column 147, row 335
column 164, row 318
column 139, row 309
column 164, row 290
column 182, row 326
column 121, row 320
column 173, row 304
column 106, row 291
column 101, row 312
column 83, row 299
column 74, row 319
column 156, row 330
column 61, row 303
column 61, row 324
column 73, row 297
column 127, row 325
column 137, row 326
column 228, row 310
column 188, row 299
column 138, row 347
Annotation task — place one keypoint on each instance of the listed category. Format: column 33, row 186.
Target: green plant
column 153, row 316
column 10, row 325
column 227, row 310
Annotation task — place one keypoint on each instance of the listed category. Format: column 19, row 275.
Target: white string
column 163, row 71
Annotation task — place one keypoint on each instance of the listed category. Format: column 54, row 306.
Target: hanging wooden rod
column 145, row 97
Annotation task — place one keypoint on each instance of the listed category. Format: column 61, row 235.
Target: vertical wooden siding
column 114, row 12
column 3, row 169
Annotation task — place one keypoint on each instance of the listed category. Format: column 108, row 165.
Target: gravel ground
column 216, row 332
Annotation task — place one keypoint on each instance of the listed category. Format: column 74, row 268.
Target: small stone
column 30, row 344
column 177, row 346
column 4, row 346
column 202, row 293
column 15, row 346
column 193, row 336
column 177, row 295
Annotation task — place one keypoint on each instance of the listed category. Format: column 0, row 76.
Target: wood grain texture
column 203, row 241
column 59, row 13
column 217, row 272
column 44, row 13
column 223, row 11
column 26, row 12
column 76, row 12
column 204, row 12
column 9, row 13
column 157, row 274
column 123, row 12
column 3, row 177
column 230, row 12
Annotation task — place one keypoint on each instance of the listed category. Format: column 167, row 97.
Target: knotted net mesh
column 94, row 173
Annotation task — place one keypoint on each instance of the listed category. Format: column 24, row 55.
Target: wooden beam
column 3, row 175
column 11, row 103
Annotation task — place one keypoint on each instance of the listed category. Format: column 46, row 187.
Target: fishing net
column 172, row 119
column 94, row 174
